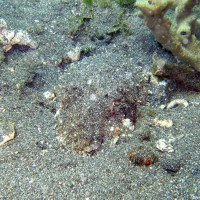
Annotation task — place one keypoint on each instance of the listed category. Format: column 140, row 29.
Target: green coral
column 176, row 25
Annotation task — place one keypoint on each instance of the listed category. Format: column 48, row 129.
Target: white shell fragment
column 7, row 132
column 49, row 95
column 74, row 55
column 164, row 146
column 177, row 102
column 128, row 124
column 163, row 123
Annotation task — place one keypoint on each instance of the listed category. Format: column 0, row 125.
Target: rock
column 171, row 165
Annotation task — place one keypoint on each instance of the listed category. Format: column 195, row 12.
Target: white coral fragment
column 49, row 95
column 22, row 38
column 164, row 146
column 128, row 124
column 74, row 55
column 9, row 38
column 163, row 123
column 177, row 102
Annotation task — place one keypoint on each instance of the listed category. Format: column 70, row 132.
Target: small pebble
column 171, row 165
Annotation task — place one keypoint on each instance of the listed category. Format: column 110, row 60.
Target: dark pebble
column 171, row 165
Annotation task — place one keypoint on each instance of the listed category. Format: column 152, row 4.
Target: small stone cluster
column 9, row 38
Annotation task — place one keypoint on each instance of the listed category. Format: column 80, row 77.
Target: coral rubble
column 175, row 24
column 9, row 38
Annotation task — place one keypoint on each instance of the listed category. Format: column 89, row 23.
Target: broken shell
column 7, row 132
